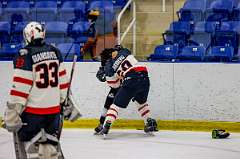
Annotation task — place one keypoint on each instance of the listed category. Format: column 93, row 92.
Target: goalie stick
column 66, row 101
column 19, row 147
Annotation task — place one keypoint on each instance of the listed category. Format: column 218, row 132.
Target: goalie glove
column 11, row 120
column 70, row 109
column 101, row 76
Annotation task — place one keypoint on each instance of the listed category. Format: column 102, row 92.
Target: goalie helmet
column 33, row 31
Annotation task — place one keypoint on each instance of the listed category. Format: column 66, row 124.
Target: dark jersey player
column 121, row 65
column 39, row 87
column 114, row 84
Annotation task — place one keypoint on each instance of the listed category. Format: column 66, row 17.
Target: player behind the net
column 39, row 87
column 120, row 64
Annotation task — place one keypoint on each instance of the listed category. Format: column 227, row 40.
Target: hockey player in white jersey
column 39, row 87
column 121, row 65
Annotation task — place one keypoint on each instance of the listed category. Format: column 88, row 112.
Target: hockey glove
column 108, row 68
column 70, row 109
column 101, row 76
column 12, row 120
column 219, row 134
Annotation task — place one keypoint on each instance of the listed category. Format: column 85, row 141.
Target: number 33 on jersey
column 38, row 75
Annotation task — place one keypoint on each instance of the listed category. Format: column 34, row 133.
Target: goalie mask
column 33, row 31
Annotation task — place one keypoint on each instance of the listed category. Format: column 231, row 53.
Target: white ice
column 134, row 144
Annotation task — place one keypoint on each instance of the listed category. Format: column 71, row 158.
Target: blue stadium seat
column 17, row 32
column 56, row 32
column 224, row 44
column 236, row 26
column 164, row 52
column 182, row 27
column 71, row 10
column 46, row 11
column 208, row 27
column 59, row 2
column 178, row 34
column 200, row 39
column 79, row 32
column 118, row 4
column 226, row 36
column 1, row 12
column 9, row 50
column 236, row 13
column 69, row 49
column 192, row 11
column 5, row 2
column 4, row 32
column 220, row 53
column 18, row 9
column 219, row 10
column 101, row 6
column 192, row 53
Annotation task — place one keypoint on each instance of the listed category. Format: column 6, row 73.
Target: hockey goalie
column 38, row 98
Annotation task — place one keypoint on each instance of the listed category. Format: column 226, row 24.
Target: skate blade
column 104, row 136
column 150, row 134
column 97, row 133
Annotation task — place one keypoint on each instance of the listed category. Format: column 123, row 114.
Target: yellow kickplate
column 181, row 125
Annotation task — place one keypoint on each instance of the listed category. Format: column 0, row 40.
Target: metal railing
column 132, row 25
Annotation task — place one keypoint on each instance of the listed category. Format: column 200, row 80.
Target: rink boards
column 179, row 91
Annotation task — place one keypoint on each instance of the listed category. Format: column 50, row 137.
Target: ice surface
column 134, row 144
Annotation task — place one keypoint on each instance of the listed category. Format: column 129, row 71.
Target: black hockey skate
column 105, row 129
column 150, row 126
column 98, row 129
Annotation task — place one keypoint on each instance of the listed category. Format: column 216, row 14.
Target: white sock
column 144, row 111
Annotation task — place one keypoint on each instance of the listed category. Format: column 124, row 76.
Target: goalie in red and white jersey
column 39, row 87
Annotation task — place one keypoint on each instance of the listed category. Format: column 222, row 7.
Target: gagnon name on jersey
column 48, row 55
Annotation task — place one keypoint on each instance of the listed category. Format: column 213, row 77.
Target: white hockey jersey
column 40, row 80
column 123, row 63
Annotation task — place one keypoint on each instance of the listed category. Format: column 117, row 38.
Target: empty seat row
column 9, row 50
column 48, row 11
column 56, row 32
column 208, row 27
column 207, row 30
column 210, row 10
column 207, row 41
column 56, row 3
column 193, row 53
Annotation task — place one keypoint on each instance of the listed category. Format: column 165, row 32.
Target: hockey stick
column 68, row 52
column 66, row 101
column 71, row 77
column 19, row 147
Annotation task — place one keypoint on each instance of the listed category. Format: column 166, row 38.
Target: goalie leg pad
column 34, row 148
column 47, row 151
